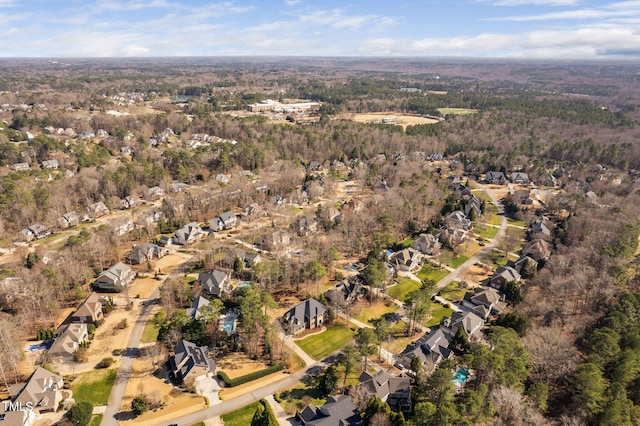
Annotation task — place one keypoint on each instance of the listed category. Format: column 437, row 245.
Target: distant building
column 114, row 279
column 214, row 283
column 50, row 164
column 304, row 316
column 190, row 361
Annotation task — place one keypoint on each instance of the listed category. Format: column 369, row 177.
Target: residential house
column 40, row 230
column 540, row 230
column 97, row 210
column 115, row 278
column 458, row 220
column 164, row 241
column 472, row 203
column 222, row 179
column 69, row 337
column 519, row 178
column 148, row 217
column 427, row 244
column 406, row 260
column 188, row 234
column 526, row 266
column 25, row 234
column 226, row 220
column 315, row 166
column 452, row 237
column 127, row 150
column 453, row 181
column 195, row 311
column 190, row 361
column 21, row 167
column 304, row 316
column 521, row 197
column 214, row 283
column 396, row 391
column 89, row 311
column 503, row 275
column 68, row 220
column 248, row 259
column 484, row 301
column 50, row 164
column 146, row 252
column 121, row 225
column 431, row 349
column 495, row 178
column 41, row 393
column 346, row 292
column 337, row 411
column 538, row 250
column 469, row 322
column 305, row 226
column 129, row 202
column 275, row 239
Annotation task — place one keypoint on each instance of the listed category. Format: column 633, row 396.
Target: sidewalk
column 283, row 418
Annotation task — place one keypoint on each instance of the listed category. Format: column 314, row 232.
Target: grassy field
column 150, row 332
column 514, row 222
column 198, row 424
column 375, row 311
column 452, row 292
column 240, row 417
column 94, row 386
column 455, row 262
column 403, row 288
column 430, row 272
column 320, row 345
column 457, row 111
column 488, row 232
column 292, row 399
column 96, row 420
column 437, row 312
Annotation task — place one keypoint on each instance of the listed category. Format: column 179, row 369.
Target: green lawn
column 198, row 424
column 458, row 260
column 430, row 272
column 457, row 111
column 515, row 222
column 150, row 332
column 452, row 292
column 488, row 232
column 408, row 242
column 437, row 312
column 292, row 399
column 240, row 417
column 377, row 310
column 96, row 420
column 403, row 288
column 94, row 386
column 320, row 345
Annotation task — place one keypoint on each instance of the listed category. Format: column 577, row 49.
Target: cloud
column 613, row 10
column 531, row 2
column 292, row 2
column 131, row 5
column 8, row 3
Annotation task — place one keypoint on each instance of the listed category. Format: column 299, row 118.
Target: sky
column 537, row 29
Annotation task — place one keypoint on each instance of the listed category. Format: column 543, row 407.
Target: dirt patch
column 238, row 364
column 144, row 287
column 230, row 393
column 170, row 401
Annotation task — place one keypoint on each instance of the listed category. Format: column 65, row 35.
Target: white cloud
column 8, row 3
column 131, row 5
column 292, row 2
column 531, row 2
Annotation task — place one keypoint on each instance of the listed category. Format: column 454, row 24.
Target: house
column 526, row 266
column 190, row 361
column 406, row 260
column 472, row 203
column 519, row 178
column 148, row 217
column 97, row 210
column 129, row 202
column 538, row 250
column 195, row 310
column 146, row 252
column 50, row 164
column 503, row 275
column 115, row 278
column 164, row 241
column 540, row 230
column 495, row 178
column 337, row 411
column 427, row 244
column 275, row 239
column 396, row 391
column 68, row 220
column 431, row 349
column 25, row 234
column 469, row 322
column 346, row 291
column 222, row 179
column 41, row 393
column 190, row 233
column 305, row 226
column 89, row 311
column 315, row 166
column 121, row 225
column 521, row 196
column 458, row 220
column 484, row 301
column 304, row 316
column 249, row 259
column 453, row 181
column 226, row 220
column 452, row 237
column 69, row 337
column 21, row 167
column 215, row 283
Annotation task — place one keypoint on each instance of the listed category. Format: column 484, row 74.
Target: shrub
column 80, row 414
column 248, row 377
column 116, row 352
column 139, row 405
column 123, row 324
column 105, row 363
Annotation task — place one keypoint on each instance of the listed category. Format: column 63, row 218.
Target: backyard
column 436, row 313
column 452, row 292
column 368, row 314
column 405, row 286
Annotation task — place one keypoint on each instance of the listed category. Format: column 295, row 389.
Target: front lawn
column 241, row 416
column 378, row 309
column 96, row 420
column 94, row 386
column 485, row 231
column 150, row 332
column 457, row 261
column 403, row 288
column 452, row 292
column 514, row 222
column 430, row 272
column 320, row 345
column 437, row 312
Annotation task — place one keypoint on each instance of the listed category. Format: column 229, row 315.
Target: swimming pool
column 460, row 376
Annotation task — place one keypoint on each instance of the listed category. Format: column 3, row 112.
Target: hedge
column 248, row 377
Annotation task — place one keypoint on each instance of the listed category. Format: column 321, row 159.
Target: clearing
column 322, row 344
column 391, row 118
